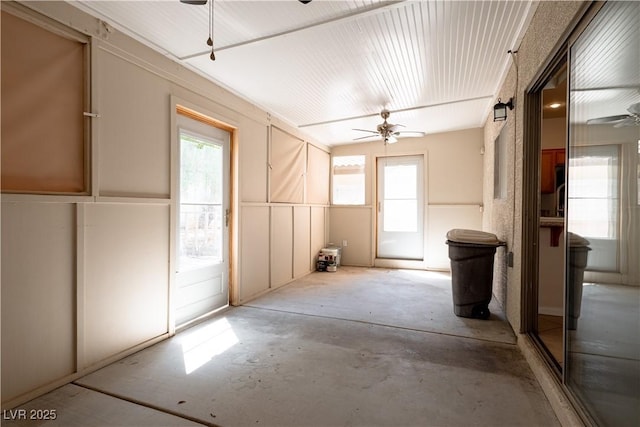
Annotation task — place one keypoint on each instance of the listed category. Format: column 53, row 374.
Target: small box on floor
column 326, row 262
column 333, row 250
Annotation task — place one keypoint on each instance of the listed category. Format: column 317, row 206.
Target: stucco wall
column 548, row 29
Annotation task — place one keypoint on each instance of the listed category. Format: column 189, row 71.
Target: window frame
column 362, row 168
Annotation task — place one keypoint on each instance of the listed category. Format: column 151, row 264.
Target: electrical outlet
column 344, row 243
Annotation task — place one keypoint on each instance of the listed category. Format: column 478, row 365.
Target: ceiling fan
column 631, row 119
column 203, row 2
column 388, row 131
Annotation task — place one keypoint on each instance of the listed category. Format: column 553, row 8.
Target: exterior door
column 202, row 280
column 400, row 208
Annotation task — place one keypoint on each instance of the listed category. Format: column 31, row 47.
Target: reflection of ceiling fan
column 388, row 131
column 631, row 119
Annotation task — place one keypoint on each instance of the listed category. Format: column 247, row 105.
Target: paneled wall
column 453, row 196
column 284, row 211
column 38, row 294
column 87, row 278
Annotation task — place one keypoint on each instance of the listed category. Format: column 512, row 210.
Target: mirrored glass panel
column 602, row 310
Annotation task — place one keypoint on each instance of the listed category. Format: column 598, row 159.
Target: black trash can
column 471, row 253
column 578, row 257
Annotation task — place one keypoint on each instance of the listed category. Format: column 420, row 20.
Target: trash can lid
column 576, row 240
column 461, row 235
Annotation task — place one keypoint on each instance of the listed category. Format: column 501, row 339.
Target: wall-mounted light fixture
column 500, row 110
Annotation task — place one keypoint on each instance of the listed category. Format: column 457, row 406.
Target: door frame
column 207, row 116
column 532, row 144
column 397, row 262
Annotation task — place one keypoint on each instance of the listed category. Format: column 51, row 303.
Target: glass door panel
column 203, row 235
column 400, row 208
column 602, row 310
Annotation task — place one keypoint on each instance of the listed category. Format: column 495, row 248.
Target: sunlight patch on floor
column 203, row 344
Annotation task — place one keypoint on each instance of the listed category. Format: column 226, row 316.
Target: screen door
column 400, row 208
column 203, row 225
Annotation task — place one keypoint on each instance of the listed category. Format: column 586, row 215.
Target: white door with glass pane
column 400, row 208
column 202, row 280
column 594, row 203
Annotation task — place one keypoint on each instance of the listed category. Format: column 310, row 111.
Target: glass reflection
column 603, row 218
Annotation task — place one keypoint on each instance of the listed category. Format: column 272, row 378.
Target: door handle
column 226, row 217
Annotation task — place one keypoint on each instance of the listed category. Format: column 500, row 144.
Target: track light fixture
column 500, row 110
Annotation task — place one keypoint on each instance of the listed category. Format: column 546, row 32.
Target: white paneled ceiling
column 328, row 67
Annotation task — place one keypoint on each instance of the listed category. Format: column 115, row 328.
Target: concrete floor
column 359, row 347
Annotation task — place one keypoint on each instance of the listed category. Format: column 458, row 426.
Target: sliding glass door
column 602, row 292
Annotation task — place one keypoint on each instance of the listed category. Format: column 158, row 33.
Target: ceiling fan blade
column 410, row 133
column 609, row 119
column 634, row 108
column 367, row 130
column 629, row 121
column 368, row 136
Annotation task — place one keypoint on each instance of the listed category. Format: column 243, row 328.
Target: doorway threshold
column 410, row 264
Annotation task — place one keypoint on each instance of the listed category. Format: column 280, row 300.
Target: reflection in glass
column 603, row 219
column 594, row 201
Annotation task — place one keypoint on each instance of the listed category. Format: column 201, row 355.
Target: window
column 348, row 180
column 44, row 95
column 593, row 193
column 201, row 194
column 500, row 168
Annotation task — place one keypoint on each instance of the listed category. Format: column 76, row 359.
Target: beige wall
column 87, row 279
column 505, row 217
column 554, row 133
column 453, row 196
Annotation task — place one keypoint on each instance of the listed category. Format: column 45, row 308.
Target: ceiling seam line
column 401, row 110
column 379, row 8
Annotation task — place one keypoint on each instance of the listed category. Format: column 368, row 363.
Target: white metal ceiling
column 331, row 66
